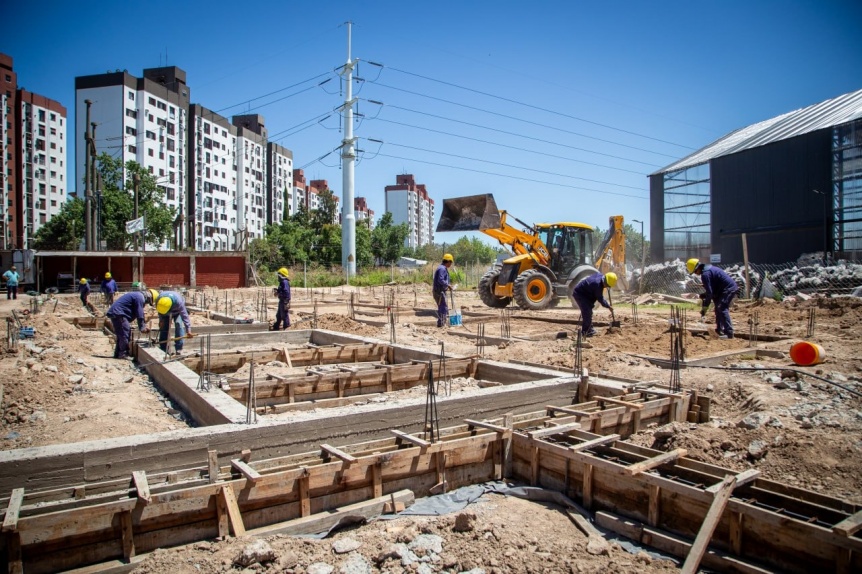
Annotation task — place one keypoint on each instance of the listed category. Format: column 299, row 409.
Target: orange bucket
column 806, row 354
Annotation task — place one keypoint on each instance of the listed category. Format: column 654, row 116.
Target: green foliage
column 64, row 231
column 387, row 239
column 635, row 244
column 464, row 250
column 364, row 256
column 325, row 213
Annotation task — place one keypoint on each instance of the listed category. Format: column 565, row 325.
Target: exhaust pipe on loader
column 470, row 213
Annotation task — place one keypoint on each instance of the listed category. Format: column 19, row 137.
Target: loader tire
column 486, row 289
column 533, row 290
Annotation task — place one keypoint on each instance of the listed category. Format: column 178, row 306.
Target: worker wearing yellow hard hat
column 441, row 285
column 718, row 287
column 108, row 288
column 84, row 291
column 128, row 307
column 282, row 315
column 171, row 307
column 587, row 292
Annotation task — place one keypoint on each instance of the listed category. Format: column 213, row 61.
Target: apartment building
column 251, row 171
column 279, row 183
column 408, row 202
column 362, row 212
column 33, row 144
column 142, row 119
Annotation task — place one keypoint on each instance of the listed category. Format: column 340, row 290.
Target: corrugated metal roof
column 826, row 114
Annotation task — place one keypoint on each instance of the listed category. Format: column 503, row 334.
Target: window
column 53, row 145
column 161, row 155
column 53, row 117
column 206, row 128
column 150, row 135
column 53, row 191
column 133, row 149
column 172, row 112
column 171, row 161
column 150, row 117
column 170, row 128
column 42, row 131
column 131, row 131
column 41, row 115
column 132, row 96
column 53, row 203
column 151, row 101
column 150, row 153
column 161, row 173
column 171, row 146
column 131, row 113
column 8, row 78
column 53, row 159
column 53, row 131
column 170, row 194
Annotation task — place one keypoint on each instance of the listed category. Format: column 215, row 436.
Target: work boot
column 590, row 333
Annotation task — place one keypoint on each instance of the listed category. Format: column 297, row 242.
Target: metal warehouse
column 792, row 184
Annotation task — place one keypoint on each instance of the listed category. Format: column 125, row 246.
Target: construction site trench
column 737, row 460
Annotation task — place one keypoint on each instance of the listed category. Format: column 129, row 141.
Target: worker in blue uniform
column 129, row 307
column 171, row 307
column 441, row 286
column 587, row 292
column 109, row 288
column 84, row 291
column 720, row 288
column 282, row 316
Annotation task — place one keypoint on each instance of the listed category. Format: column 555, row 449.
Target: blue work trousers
column 11, row 291
column 586, row 307
column 282, row 316
column 723, row 324
column 442, row 308
column 179, row 332
column 123, row 331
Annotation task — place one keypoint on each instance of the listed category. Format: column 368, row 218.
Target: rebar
column 480, row 339
column 753, row 327
column 579, row 357
column 391, row 319
column 677, row 349
column 431, row 428
column 251, row 404
column 351, row 312
column 441, row 369
column 811, row 315
column 12, row 335
column 634, row 314
column 506, row 323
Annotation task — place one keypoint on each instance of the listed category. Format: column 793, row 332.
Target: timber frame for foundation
column 658, row 498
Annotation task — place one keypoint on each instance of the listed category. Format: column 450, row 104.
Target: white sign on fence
column 135, row 225
column 715, row 257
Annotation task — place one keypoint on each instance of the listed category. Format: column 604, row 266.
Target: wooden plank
column 485, row 425
column 377, row 479
column 847, row 527
column 287, row 357
column 139, row 478
column 338, row 453
column 552, row 430
column 10, row 521
column 735, row 533
column 534, row 464
column 654, row 515
column 704, row 535
column 247, row 471
column 574, row 412
column 13, row 551
column 212, row 464
column 626, row 404
column 602, row 440
column 323, row 521
column 655, row 461
column 233, row 512
column 744, row 477
column 508, row 422
column 410, row 438
column 304, row 501
column 587, row 487
column 222, row 517
column 127, row 533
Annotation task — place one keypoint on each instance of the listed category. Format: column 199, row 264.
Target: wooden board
column 716, row 509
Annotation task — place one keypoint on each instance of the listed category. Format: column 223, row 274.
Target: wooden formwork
column 658, row 498
column 229, row 361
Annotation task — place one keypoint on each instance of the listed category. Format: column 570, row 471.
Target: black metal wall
column 656, row 217
column 767, row 193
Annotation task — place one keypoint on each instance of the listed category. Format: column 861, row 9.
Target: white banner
column 135, row 225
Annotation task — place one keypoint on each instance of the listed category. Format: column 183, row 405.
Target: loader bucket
column 470, row 213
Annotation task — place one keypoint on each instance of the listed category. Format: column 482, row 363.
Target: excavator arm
column 611, row 253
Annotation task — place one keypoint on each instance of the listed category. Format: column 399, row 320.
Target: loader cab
column 570, row 245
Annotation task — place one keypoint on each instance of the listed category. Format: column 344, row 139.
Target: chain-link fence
column 764, row 280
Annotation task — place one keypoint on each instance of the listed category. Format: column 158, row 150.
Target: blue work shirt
column 283, row 288
column 11, row 278
column 178, row 307
column 441, row 279
column 109, row 286
column 592, row 289
column 716, row 283
column 130, row 306
column 84, row 288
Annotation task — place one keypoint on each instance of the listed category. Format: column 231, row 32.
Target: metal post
column 88, row 224
column 348, row 160
column 643, row 255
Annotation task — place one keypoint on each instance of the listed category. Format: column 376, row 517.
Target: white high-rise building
column 141, row 119
column 280, row 202
column 251, row 170
column 33, row 144
column 408, row 202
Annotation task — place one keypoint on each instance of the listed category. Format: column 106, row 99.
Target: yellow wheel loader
column 548, row 258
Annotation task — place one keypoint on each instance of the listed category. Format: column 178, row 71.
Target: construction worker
column 12, row 278
column 282, row 316
column 171, row 306
column 127, row 308
column 720, row 288
column 587, row 292
column 84, row 291
column 109, row 287
column 441, row 286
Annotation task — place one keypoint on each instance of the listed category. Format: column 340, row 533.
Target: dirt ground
column 798, row 429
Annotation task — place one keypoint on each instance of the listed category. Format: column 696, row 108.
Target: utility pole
column 94, row 189
column 88, row 224
column 348, row 160
column 136, row 180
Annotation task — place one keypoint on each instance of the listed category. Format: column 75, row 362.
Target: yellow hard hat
column 83, row 281
column 164, row 305
column 108, row 275
column 154, row 296
column 284, row 272
column 692, row 264
column 610, row 279
column 448, row 257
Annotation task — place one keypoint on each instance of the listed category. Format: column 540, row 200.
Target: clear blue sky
column 582, row 99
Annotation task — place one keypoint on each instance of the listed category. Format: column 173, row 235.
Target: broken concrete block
column 257, row 552
column 345, row 545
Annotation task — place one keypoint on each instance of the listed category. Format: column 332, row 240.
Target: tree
column 64, row 231
column 364, row 256
column 387, row 240
column 325, row 212
column 635, row 243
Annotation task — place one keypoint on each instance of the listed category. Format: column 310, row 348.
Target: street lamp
column 643, row 254
column 825, row 225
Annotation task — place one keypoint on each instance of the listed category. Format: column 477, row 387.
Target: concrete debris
column 355, row 564
column 345, row 545
column 257, row 552
column 76, row 379
column 757, row 449
column 598, row 546
column 665, row 432
column 426, row 544
column 319, row 568
column 754, row 421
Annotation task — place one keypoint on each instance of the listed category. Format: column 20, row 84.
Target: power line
column 513, row 177
column 531, row 106
column 507, row 116
column 505, row 164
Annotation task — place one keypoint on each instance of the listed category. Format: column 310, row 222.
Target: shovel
column 614, row 322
